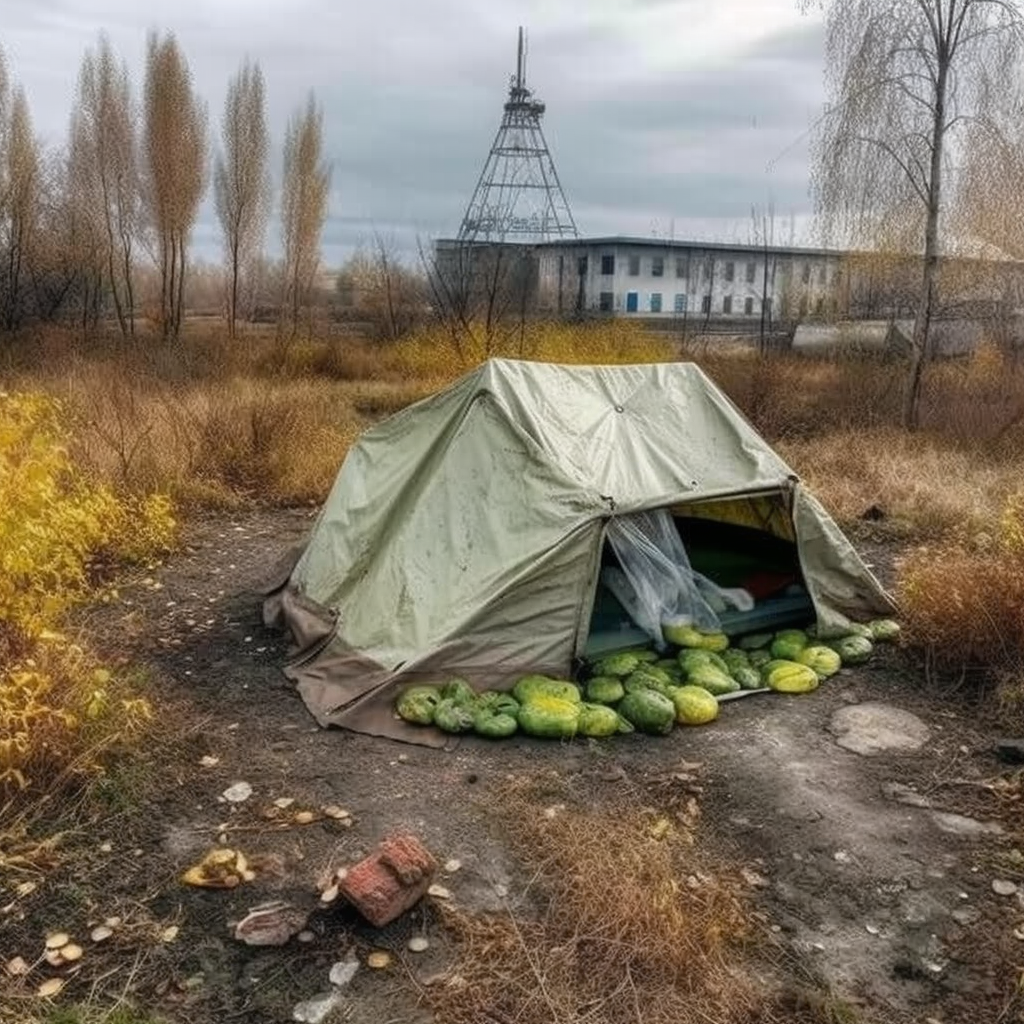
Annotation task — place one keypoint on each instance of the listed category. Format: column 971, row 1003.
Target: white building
column 700, row 280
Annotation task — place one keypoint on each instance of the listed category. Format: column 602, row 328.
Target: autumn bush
column 60, row 536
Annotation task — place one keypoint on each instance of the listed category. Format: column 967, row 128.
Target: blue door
column 632, row 302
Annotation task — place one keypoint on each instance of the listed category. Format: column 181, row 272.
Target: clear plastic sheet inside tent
column 656, row 583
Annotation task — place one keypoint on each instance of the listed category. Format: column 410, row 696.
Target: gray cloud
column 643, row 136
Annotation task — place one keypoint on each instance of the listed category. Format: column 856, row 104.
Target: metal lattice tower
column 518, row 196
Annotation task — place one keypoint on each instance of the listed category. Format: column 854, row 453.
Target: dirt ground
column 882, row 899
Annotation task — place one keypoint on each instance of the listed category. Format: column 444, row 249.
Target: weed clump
column 625, row 918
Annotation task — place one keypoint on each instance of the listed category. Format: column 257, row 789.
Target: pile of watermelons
column 642, row 690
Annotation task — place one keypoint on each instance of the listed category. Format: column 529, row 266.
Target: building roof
column 667, row 243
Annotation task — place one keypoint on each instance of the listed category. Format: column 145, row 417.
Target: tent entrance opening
column 745, row 544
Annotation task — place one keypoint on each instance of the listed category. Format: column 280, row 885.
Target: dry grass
column 964, row 602
column 632, row 922
column 926, row 487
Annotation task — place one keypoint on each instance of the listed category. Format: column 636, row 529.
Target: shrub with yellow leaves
column 58, row 707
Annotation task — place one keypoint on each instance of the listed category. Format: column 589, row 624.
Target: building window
column 803, row 306
column 727, row 302
column 681, row 267
column 806, row 277
column 819, row 307
column 751, row 272
column 634, row 266
column 679, row 305
column 606, row 302
column 768, row 306
column 730, row 271
column 748, row 306
column 632, row 302
column 658, row 266
column 607, row 266
column 705, row 304
column 581, row 266
column 655, row 302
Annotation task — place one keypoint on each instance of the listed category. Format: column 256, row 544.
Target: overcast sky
column 663, row 116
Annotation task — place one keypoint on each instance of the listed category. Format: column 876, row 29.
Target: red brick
column 393, row 878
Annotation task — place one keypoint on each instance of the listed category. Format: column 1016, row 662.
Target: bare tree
column 21, row 192
column 905, row 77
column 241, row 182
column 378, row 287
column 175, row 149
column 106, row 173
column 307, row 182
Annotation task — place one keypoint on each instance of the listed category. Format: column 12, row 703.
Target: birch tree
column 175, row 149
column 241, row 182
column 307, row 181
column 905, row 78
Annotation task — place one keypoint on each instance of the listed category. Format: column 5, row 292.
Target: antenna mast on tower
column 518, row 195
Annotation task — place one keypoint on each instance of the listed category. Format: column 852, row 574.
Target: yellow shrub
column 58, row 706
column 54, row 523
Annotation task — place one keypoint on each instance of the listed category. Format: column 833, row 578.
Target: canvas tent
column 465, row 535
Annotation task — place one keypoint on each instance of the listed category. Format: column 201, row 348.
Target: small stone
column 905, row 795
column 169, row 934
column 341, row 874
column 336, row 812
column 841, row 857
column 418, row 944
column 209, row 761
column 17, row 966
column 378, row 959
column 50, row 988
column 237, row 793
column 1004, row 887
column 501, row 891
column 871, row 929
column 106, row 847
column 54, row 957
column 439, row 892
column 304, row 817
column 330, row 894
column 283, row 802
column 57, row 939
column 1018, row 932
column 753, row 878
column 112, row 922
column 968, row 828
column 101, row 933
column 451, row 866
column 871, row 728
column 71, row 952
column 344, row 971
column 305, row 936
column 966, row 915
column 313, row 1011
